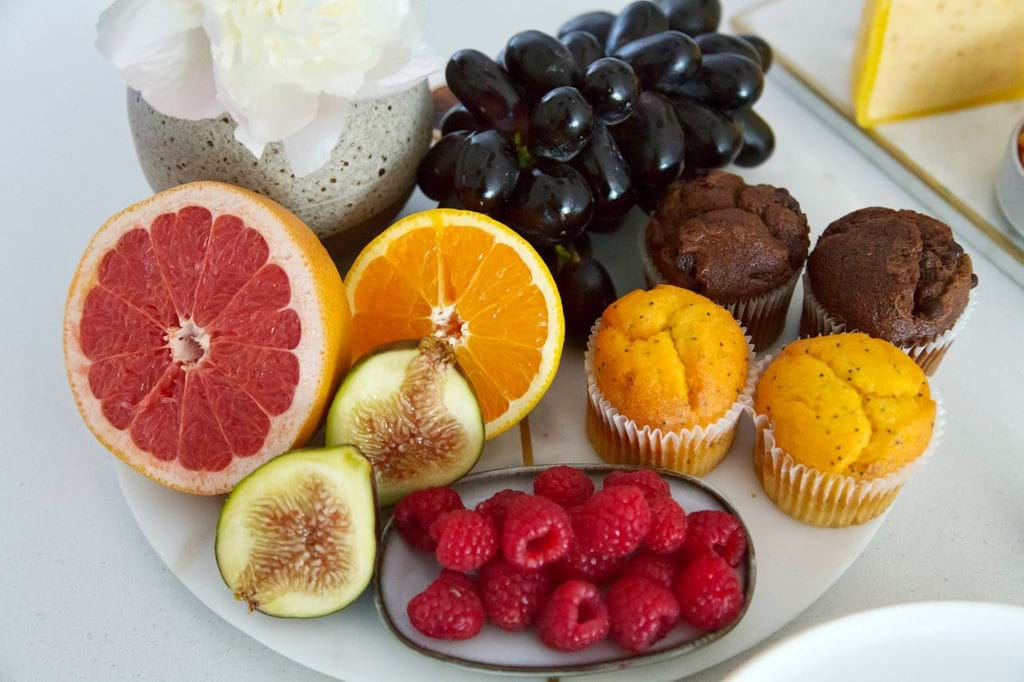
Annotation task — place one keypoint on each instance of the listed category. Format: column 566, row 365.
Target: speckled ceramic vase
column 370, row 175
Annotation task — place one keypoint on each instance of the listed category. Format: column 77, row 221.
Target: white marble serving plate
column 796, row 563
column 403, row 572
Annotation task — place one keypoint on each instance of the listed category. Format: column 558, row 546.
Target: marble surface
column 85, row 596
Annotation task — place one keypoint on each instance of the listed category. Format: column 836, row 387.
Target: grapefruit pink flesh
column 190, row 338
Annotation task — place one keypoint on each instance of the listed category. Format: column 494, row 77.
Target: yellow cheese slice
column 917, row 57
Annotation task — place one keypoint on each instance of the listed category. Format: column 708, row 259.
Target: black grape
column 763, row 49
column 457, row 118
column 586, row 290
column 551, row 205
column 718, row 43
column 596, row 24
column 451, row 200
column 662, row 60
column 584, row 47
column 652, row 141
column 637, row 20
column 437, row 170
column 539, row 62
column 692, row 17
column 606, row 171
column 725, row 81
column 486, row 91
column 758, row 140
column 560, row 124
column 486, row 171
column 612, row 88
column 712, row 139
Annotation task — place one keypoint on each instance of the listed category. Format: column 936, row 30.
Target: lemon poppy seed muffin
column 848, row 412
column 670, row 364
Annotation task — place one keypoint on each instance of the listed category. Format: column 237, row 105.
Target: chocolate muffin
column 740, row 245
column 895, row 275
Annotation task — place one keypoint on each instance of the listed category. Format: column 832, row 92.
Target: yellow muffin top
column 669, row 358
column 847, row 404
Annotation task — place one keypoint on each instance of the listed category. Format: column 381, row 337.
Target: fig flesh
column 412, row 412
column 297, row 537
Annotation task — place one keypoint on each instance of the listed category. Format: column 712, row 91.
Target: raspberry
column 649, row 482
column 449, row 608
column 717, row 532
column 708, row 592
column 641, row 612
column 564, row 485
column 465, row 539
column 574, row 617
column 668, row 526
column 581, row 565
column 536, row 532
column 613, row 522
column 496, row 505
column 417, row 511
column 658, row 568
column 511, row 596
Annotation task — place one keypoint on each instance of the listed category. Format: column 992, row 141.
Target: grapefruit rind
column 348, row 476
column 318, row 296
column 441, row 219
column 378, row 376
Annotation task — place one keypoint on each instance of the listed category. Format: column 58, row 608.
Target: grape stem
column 523, row 156
column 566, row 255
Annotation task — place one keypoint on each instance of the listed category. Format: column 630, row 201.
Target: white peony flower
column 285, row 70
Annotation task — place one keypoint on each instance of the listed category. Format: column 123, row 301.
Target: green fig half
column 297, row 538
column 413, row 413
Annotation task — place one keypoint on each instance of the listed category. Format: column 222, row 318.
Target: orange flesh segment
column 430, row 268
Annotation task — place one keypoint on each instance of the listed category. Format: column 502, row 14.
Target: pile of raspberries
column 625, row 562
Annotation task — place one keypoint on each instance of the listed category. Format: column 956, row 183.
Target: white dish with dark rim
column 1010, row 184
column 403, row 572
column 941, row 641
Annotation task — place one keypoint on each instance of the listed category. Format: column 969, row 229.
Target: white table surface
column 84, row 596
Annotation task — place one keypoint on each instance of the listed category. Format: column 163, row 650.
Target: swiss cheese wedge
column 917, row 57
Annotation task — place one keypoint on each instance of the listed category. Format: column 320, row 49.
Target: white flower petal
column 180, row 82
column 254, row 145
column 422, row 62
column 131, row 31
column 163, row 53
column 311, row 147
column 264, row 113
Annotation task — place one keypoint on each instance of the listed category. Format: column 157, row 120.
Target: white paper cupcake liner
column 823, row 499
column 763, row 316
column 816, row 321
column 620, row 440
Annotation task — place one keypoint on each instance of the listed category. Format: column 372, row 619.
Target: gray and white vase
column 367, row 180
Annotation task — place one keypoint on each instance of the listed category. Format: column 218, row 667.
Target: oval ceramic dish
column 402, row 572
column 1010, row 184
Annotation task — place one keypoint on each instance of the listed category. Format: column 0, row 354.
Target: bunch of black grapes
column 561, row 135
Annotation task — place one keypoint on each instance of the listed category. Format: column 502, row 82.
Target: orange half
column 466, row 278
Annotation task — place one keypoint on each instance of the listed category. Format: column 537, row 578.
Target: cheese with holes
column 916, row 57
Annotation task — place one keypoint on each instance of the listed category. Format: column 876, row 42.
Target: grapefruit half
column 205, row 330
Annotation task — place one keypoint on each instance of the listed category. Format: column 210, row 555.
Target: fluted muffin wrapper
column 824, row 499
column 763, row 316
column 815, row 320
column 695, row 451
